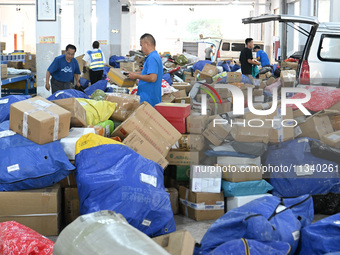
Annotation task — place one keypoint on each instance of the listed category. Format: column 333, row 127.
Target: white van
column 320, row 62
column 231, row 49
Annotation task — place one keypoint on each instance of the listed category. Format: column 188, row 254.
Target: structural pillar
column 306, row 9
column 268, row 34
column 125, row 32
column 290, row 32
column 108, row 30
column 82, row 26
column 283, row 10
column 48, row 38
column 334, row 11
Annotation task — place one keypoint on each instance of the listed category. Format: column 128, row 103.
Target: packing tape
column 40, row 107
column 201, row 206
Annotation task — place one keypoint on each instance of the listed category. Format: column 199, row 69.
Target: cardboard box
column 117, row 77
column 3, row 71
column 228, row 160
column 128, row 66
column 185, row 158
column 15, row 64
column 173, row 194
column 279, row 133
column 191, row 142
column 241, row 173
column 69, row 181
column 234, row 77
column 140, row 145
column 235, row 202
column 222, row 91
column 69, row 143
column 198, row 123
column 70, row 205
column 177, row 243
column 168, row 98
column 31, row 62
column 208, row 72
column 40, row 124
column 201, row 206
column 335, row 120
column 288, row 78
column 38, row 209
column 183, row 100
column 271, row 80
column 217, row 134
column 152, row 125
column 220, row 109
column 189, row 79
column 257, row 92
column 332, row 139
column 317, row 125
column 248, row 134
column 269, row 74
column 205, row 179
column 187, row 123
column 85, row 75
column 183, row 173
column 289, row 65
column 2, row 46
column 78, row 113
column 180, row 94
column 125, row 105
column 182, row 86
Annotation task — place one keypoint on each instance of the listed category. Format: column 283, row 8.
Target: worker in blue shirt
column 63, row 70
column 95, row 60
column 261, row 56
column 150, row 80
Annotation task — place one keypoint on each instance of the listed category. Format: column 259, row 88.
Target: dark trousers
column 59, row 85
column 96, row 76
column 208, row 59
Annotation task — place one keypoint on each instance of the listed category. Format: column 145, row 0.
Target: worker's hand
column 48, row 86
column 78, row 84
column 132, row 75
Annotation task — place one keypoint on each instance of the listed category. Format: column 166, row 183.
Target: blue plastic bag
column 235, row 68
column 167, row 78
column 114, row 177
column 253, row 247
column 262, row 220
column 199, row 65
column 106, row 71
column 113, row 61
column 5, row 105
column 27, row 165
column 225, row 65
column 102, row 85
column 67, row 93
column 298, row 153
column 245, row 79
column 232, row 189
column 321, row 237
column 84, row 83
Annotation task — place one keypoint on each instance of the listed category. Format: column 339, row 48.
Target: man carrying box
column 150, row 80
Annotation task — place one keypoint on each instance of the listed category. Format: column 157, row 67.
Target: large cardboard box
column 3, row 71
column 317, row 125
column 118, row 77
column 128, row 66
column 234, row 77
column 205, row 179
column 183, row 100
column 78, row 113
column 248, row 134
column 183, row 173
column 216, row 133
column 279, row 133
column 184, row 158
column 332, row 139
column 2, row 46
column 173, row 194
column 40, row 120
column 69, row 143
column 187, row 122
column 208, row 72
column 71, row 209
column 125, row 105
column 38, row 209
column 31, row 62
column 177, row 243
column 201, row 205
column 289, row 65
column 218, row 108
column 191, row 142
column 152, row 125
column 182, row 86
column 15, row 64
column 85, row 75
column 140, row 145
column 241, row 173
column 179, row 94
column 168, row 98
column 288, row 78
column 198, row 123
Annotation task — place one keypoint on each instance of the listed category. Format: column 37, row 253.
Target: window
column 238, row 46
column 226, row 46
column 329, row 49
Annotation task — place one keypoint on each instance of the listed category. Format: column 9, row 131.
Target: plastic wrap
column 263, row 219
column 114, row 177
column 67, row 93
column 321, row 237
column 5, row 105
column 97, row 111
column 27, row 165
column 232, row 189
column 17, row 239
column 125, row 105
column 102, row 84
column 102, row 233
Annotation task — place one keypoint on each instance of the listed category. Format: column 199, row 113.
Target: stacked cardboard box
column 2, row 46
column 30, row 62
column 118, row 77
column 15, row 64
column 3, row 71
column 180, row 96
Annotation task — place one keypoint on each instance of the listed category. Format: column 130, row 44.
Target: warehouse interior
column 169, row 127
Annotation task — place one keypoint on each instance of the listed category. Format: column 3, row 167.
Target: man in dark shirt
column 246, row 59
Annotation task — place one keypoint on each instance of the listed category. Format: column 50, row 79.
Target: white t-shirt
column 87, row 58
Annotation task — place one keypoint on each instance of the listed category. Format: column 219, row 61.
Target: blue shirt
column 151, row 92
column 263, row 58
column 61, row 70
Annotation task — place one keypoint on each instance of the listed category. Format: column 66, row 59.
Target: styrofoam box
column 235, row 202
column 69, row 142
column 225, row 161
